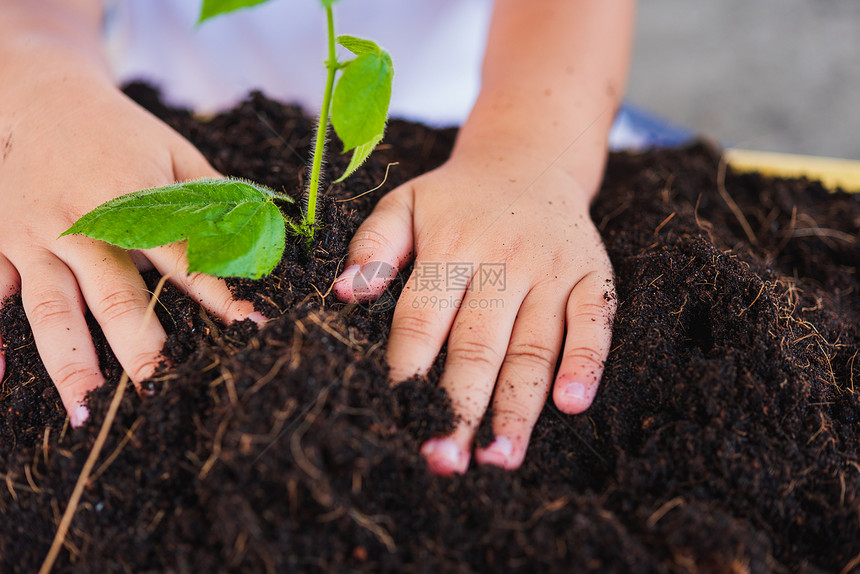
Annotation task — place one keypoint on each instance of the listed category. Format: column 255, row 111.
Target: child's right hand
column 69, row 141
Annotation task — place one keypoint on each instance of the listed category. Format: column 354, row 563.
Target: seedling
column 233, row 227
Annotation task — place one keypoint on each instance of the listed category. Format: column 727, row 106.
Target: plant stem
column 322, row 128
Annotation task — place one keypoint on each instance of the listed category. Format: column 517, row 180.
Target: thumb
column 380, row 247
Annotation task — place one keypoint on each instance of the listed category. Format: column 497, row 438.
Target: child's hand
column 69, row 140
column 514, row 194
column 537, row 286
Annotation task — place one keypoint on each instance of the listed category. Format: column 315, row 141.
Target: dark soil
column 724, row 438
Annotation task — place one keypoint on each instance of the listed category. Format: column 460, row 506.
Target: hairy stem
column 322, row 128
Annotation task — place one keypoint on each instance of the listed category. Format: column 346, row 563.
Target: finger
column 424, row 314
column 210, row 292
column 379, row 248
column 476, row 349
column 526, row 375
column 119, row 300
column 140, row 260
column 55, row 310
column 9, row 284
column 9, row 280
column 590, row 313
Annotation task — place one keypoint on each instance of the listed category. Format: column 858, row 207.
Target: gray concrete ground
column 778, row 75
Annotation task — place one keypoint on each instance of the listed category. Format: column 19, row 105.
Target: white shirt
column 279, row 47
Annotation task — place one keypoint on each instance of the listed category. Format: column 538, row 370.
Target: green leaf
column 327, row 3
column 360, row 102
column 247, row 242
column 359, row 46
column 359, row 155
column 211, row 8
column 233, row 227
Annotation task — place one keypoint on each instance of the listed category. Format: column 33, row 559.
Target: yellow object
column 832, row 172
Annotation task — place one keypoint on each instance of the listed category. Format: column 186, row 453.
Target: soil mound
column 724, row 437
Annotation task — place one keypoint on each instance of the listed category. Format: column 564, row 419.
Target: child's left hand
column 511, row 271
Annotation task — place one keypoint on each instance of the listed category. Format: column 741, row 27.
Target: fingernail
column 445, row 457
column 258, row 318
column 498, row 453
column 574, row 391
column 343, row 286
column 349, row 273
column 79, row 416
